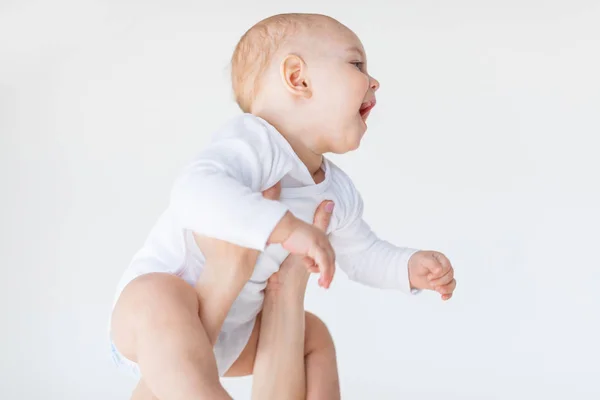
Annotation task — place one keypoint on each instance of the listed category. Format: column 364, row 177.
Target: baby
column 302, row 82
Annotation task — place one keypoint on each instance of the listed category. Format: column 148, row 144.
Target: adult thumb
column 323, row 214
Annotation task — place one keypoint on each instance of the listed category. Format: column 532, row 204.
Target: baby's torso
column 171, row 249
column 302, row 202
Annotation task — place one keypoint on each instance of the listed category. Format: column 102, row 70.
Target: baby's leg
column 155, row 323
column 319, row 361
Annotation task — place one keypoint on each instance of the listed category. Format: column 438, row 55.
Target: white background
column 485, row 135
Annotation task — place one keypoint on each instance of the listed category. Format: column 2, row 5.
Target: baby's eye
column 358, row 64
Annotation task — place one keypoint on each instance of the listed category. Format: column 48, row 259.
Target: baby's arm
column 374, row 262
column 219, row 196
column 371, row 261
column 219, row 193
column 363, row 256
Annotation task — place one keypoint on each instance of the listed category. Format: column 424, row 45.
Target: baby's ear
column 295, row 77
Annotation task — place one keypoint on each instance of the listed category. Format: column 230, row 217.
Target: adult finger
column 323, row 214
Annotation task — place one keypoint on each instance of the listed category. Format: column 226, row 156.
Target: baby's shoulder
column 246, row 145
column 249, row 129
column 341, row 182
column 244, row 126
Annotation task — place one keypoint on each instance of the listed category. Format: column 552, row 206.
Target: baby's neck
column 311, row 159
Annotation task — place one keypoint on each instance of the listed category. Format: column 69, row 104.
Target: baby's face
column 343, row 93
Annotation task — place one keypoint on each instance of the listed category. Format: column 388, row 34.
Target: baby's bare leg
column 218, row 287
column 155, row 324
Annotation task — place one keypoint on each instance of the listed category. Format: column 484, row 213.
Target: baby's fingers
column 446, row 290
column 444, row 280
column 325, row 259
column 310, row 265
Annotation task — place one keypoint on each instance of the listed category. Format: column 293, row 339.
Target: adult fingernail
column 329, row 207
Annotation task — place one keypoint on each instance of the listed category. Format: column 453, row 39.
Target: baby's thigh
column 154, row 299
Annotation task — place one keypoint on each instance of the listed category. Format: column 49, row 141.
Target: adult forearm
column 279, row 369
column 217, row 289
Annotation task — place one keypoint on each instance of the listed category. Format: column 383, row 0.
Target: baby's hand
column 298, row 237
column 432, row 270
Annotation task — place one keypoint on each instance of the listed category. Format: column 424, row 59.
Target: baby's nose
column 374, row 84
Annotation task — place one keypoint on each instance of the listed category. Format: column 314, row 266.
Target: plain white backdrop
column 485, row 134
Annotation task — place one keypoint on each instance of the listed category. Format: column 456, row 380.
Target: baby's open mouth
column 366, row 108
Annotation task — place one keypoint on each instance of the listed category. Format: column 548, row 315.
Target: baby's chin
column 347, row 142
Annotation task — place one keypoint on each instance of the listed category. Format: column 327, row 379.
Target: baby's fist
column 432, row 270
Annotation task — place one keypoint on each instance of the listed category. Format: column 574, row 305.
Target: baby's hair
column 256, row 48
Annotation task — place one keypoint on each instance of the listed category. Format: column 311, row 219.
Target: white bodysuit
column 219, row 195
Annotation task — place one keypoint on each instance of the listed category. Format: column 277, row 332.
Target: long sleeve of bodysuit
column 219, row 192
column 367, row 259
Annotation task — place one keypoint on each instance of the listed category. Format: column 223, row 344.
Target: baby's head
column 307, row 75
